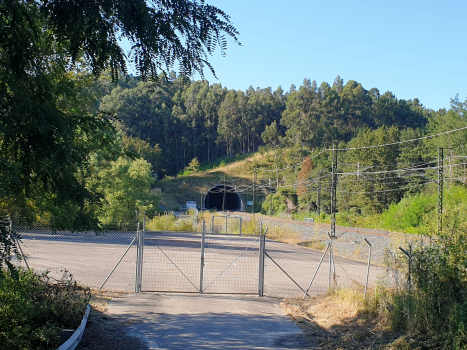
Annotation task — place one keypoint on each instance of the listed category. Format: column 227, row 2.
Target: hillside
column 177, row 190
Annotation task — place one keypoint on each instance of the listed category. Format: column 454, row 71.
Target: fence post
column 141, row 254
column 262, row 244
column 409, row 256
column 368, row 268
column 212, row 225
column 17, row 243
column 138, row 256
column 201, row 271
column 240, row 226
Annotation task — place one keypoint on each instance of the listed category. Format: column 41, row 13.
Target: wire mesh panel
column 222, row 224
column 293, row 270
column 231, row 264
column 171, row 262
column 289, row 269
column 353, row 273
column 88, row 256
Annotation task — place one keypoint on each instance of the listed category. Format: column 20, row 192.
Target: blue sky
column 411, row 48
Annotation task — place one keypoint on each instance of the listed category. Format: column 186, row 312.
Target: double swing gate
column 190, row 262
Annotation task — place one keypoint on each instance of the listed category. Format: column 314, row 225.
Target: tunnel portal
column 224, row 197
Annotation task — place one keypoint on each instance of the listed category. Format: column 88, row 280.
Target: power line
column 390, row 190
column 294, row 165
column 398, row 142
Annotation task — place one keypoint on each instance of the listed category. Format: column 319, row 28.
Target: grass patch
column 34, row 309
column 169, row 222
column 340, row 321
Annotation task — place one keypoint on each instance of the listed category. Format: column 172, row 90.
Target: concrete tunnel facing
column 223, row 197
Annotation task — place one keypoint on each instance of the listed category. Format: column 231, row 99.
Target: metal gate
column 191, row 262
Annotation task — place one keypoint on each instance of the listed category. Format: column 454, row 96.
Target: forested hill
column 183, row 121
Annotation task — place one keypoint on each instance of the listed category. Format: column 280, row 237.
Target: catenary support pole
column 254, row 188
column 440, row 188
column 333, row 190
column 319, row 193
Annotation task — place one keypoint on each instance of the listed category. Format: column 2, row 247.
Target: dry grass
column 286, row 236
column 337, row 322
column 242, row 168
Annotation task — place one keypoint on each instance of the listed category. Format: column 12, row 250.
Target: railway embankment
column 351, row 242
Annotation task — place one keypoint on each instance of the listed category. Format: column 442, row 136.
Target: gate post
column 201, row 272
column 138, row 256
column 262, row 242
column 141, row 253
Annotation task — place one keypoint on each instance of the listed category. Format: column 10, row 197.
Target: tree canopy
column 50, row 54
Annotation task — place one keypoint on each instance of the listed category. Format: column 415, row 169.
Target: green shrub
column 435, row 302
column 412, row 214
column 33, row 310
column 170, row 222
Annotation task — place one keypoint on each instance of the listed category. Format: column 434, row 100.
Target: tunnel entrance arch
column 224, row 197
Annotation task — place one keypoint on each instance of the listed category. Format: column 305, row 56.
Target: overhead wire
column 398, row 142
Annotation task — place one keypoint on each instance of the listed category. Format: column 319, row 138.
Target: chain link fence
column 89, row 256
column 293, row 270
column 225, row 224
column 200, row 263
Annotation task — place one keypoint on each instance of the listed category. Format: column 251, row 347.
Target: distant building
column 191, row 204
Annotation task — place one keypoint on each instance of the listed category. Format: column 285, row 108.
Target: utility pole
column 277, row 171
column 270, row 204
column 319, row 193
column 333, row 190
column 254, row 186
column 270, row 197
column 277, row 176
column 440, row 189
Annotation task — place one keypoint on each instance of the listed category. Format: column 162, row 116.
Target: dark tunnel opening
column 223, row 197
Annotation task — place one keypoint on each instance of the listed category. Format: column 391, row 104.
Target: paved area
column 176, row 321
column 172, row 263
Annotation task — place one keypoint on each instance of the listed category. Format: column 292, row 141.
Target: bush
column 170, row 222
column 33, row 311
column 434, row 304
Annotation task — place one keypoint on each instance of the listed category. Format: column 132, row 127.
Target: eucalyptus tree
column 301, row 116
column 229, row 128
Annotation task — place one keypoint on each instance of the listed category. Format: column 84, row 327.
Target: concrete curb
column 74, row 340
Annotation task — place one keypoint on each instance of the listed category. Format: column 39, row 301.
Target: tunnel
column 223, row 197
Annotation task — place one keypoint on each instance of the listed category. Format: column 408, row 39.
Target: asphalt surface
column 181, row 321
column 172, row 263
